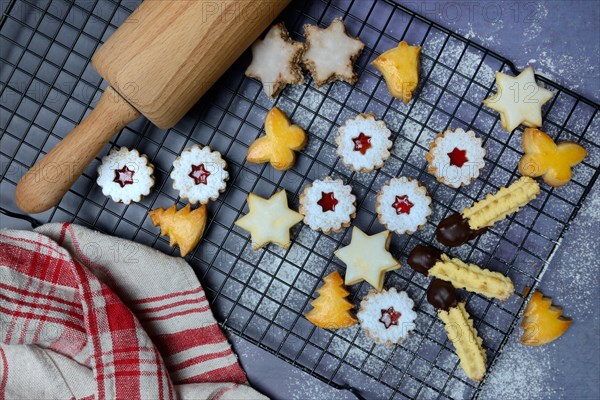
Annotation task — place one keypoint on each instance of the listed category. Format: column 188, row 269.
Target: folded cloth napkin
column 84, row 315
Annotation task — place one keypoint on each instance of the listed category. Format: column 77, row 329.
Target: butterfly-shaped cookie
column 280, row 143
column 551, row 161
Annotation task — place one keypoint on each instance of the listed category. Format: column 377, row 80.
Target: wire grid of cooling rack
column 48, row 85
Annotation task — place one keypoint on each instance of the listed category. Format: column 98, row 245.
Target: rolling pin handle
column 44, row 185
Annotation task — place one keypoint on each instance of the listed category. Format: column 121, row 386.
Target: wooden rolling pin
column 159, row 63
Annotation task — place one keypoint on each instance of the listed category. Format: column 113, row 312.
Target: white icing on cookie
column 398, row 196
column 275, row 61
column 335, row 217
column 330, row 53
column 376, row 310
column 199, row 174
column 134, row 180
column 352, row 142
column 441, row 164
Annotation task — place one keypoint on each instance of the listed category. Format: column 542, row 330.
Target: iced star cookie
column 367, row 258
column 269, row 221
column 276, row 61
column 327, row 205
column 280, row 142
column 387, row 317
column 455, row 157
column 125, row 176
column 184, row 227
column 403, row 205
column 519, row 100
column 400, row 69
column 330, row 53
column 363, row 143
column 551, row 161
column 199, row 174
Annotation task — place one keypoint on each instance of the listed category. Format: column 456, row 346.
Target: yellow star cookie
column 519, row 100
column 280, row 142
column 184, row 227
column 400, row 69
column 367, row 258
column 269, row 221
column 545, row 158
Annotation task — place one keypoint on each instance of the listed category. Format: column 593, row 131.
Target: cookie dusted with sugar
column 199, row 174
column 403, row 205
column 363, row 143
column 327, row 205
column 387, row 317
column 276, row 61
column 125, row 176
column 330, row 53
column 519, row 100
column 456, row 157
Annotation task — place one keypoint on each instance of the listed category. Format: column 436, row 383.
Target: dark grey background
column 561, row 40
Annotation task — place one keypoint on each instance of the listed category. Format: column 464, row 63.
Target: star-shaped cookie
column 367, row 258
column 519, row 100
column 280, row 143
column 276, row 61
column 330, row 53
column 269, row 221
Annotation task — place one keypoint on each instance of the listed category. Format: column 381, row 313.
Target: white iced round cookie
column 327, row 205
column 199, row 174
column 455, row 157
column 363, row 143
column 125, row 176
column 403, row 205
column 387, row 317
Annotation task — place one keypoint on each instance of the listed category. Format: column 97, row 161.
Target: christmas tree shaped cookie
column 331, row 310
column 184, row 227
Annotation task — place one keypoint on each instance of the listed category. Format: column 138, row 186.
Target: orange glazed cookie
column 551, row 161
column 331, row 310
column 282, row 139
column 542, row 322
column 400, row 69
column 184, row 227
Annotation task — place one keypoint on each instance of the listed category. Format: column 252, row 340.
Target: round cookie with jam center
column 199, row 174
column 403, row 205
column 327, row 205
column 455, row 157
column 125, row 175
column 363, row 143
column 387, row 317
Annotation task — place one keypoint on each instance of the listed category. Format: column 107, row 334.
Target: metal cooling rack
column 48, row 84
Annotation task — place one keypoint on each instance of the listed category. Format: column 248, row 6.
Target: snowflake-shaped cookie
column 276, row 61
column 331, row 52
column 125, row 175
column 363, row 143
column 403, row 205
column 199, row 174
column 327, row 205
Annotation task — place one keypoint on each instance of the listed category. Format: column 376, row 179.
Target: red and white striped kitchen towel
column 85, row 315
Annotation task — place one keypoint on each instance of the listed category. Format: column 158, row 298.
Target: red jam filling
column 389, row 317
column 458, row 157
column 402, row 205
column 327, row 202
column 362, row 143
column 199, row 174
column 124, row 176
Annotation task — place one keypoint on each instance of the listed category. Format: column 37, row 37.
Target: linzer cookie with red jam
column 429, row 261
column 458, row 228
column 387, row 317
column 199, row 174
column 455, row 157
column 327, row 205
column 125, row 175
column 403, row 205
column 363, row 143
column 459, row 326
